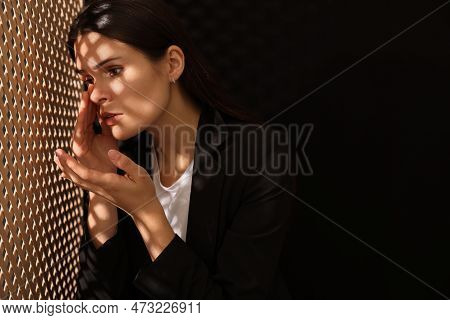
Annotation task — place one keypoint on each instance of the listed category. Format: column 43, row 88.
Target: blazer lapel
column 206, row 188
column 207, row 180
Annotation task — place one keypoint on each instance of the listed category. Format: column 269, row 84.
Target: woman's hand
column 91, row 149
column 133, row 192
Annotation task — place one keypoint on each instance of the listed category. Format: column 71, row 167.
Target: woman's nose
column 99, row 95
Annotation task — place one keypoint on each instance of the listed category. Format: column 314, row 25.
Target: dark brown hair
column 151, row 27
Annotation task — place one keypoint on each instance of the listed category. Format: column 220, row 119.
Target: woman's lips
column 110, row 121
column 105, row 115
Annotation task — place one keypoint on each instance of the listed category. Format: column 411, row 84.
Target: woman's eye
column 114, row 71
column 87, row 81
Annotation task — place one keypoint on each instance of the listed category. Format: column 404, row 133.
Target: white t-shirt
column 174, row 199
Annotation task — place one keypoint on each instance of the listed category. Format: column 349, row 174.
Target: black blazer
column 236, row 229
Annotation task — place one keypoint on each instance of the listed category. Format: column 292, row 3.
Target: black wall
column 379, row 148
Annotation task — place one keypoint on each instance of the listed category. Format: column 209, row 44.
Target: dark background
column 379, row 147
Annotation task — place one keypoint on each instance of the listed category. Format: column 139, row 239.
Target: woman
column 156, row 103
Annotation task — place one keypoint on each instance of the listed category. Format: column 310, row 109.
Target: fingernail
column 58, row 153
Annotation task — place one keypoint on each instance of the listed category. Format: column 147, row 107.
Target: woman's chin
column 121, row 135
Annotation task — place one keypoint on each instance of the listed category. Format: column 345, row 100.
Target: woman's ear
column 176, row 62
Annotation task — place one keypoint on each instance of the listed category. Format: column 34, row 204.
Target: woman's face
column 129, row 84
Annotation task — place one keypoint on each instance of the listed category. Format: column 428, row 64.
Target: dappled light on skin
column 89, row 42
column 182, row 163
column 98, row 220
column 131, row 84
column 173, row 166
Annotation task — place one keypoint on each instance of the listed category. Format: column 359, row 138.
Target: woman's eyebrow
column 98, row 66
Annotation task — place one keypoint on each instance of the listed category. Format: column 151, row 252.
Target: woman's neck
column 174, row 133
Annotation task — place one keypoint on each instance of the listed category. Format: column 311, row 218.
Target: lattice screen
column 40, row 214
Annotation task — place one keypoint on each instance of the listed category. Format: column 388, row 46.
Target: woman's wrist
column 102, row 219
column 154, row 228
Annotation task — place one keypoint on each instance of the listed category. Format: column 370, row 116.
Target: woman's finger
column 94, row 179
column 63, row 160
column 130, row 167
column 84, row 108
column 92, row 114
column 92, row 110
column 58, row 163
column 78, row 137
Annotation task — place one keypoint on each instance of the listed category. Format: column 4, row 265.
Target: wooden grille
column 40, row 214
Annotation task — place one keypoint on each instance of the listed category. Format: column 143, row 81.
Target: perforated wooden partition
column 40, row 214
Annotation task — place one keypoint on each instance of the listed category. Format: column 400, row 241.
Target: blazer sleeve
column 248, row 257
column 103, row 270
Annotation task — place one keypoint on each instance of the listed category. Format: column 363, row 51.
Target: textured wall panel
column 249, row 46
column 40, row 214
